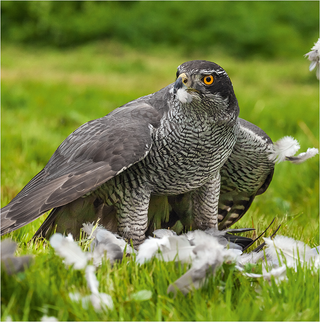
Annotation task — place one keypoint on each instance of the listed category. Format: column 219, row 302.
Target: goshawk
column 167, row 143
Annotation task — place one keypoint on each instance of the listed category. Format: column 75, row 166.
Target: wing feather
column 91, row 155
column 247, row 173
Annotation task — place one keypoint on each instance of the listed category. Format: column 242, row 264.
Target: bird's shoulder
column 120, row 138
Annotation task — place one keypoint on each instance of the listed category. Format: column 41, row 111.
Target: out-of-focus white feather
column 91, row 278
column 159, row 233
column 290, row 251
column 314, row 57
column 311, row 152
column 178, row 248
column 69, row 250
column 279, row 273
column 150, row 247
column 101, row 300
column 209, row 255
column 250, row 258
column 98, row 301
column 102, row 235
column 106, row 250
column 285, row 147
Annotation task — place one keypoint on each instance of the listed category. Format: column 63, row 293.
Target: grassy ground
column 46, row 94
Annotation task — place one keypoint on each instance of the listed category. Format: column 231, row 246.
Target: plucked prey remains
column 156, row 159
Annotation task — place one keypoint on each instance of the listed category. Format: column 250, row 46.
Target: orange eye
column 208, row 80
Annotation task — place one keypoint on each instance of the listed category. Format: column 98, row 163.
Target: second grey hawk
column 167, row 143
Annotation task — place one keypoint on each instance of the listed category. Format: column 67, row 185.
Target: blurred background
column 64, row 63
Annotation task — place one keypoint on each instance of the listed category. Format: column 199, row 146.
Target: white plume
column 159, row 233
column 279, row 273
column 150, row 247
column 311, row 152
column 290, row 251
column 178, row 248
column 69, row 250
column 98, row 301
column 250, row 258
column 285, row 147
column 314, row 57
column 209, row 254
column 169, row 247
column 102, row 235
column 91, row 278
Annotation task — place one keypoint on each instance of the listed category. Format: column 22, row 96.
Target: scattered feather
column 314, row 57
column 316, row 250
column 249, row 258
column 160, row 233
column 106, row 244
column 69, row 250
column 209, row 254
column 311, row 152
column 150, row 247
column 178, row 248
column 11, row 263
column 91, row 278
column 106, row 250
column 285, row 147
column 278, row 273
column 99, row 301
column 290, row 251
column 102, row 301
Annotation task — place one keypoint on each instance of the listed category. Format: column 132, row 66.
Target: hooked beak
column 180, row 82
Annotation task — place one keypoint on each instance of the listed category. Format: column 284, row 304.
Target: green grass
column 47, row 94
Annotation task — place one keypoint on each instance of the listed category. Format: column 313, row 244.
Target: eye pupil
column 208, row 80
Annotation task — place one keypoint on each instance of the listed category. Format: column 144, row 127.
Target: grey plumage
column 11, row 263
column 246, row 174
column 167, row 143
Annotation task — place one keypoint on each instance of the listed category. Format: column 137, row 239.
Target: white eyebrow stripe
column 213, row 71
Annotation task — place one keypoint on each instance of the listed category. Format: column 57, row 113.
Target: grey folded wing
column 246, row 174
column 91, row 155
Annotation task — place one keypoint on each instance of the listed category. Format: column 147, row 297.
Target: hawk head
column 205, row 85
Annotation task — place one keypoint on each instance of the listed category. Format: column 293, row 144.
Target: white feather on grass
column 91, row 278
column 99, row 301
column 290, row 252
column 69, row 250
column 101, row 235
column 279, row 274
column 66, row 248
column 150, row 247
column 209, row 254
column 168, row 248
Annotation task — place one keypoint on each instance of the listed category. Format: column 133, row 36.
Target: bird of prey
column 177, row 158
column 167, row 143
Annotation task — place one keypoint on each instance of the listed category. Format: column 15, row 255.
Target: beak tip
column 178, row 84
